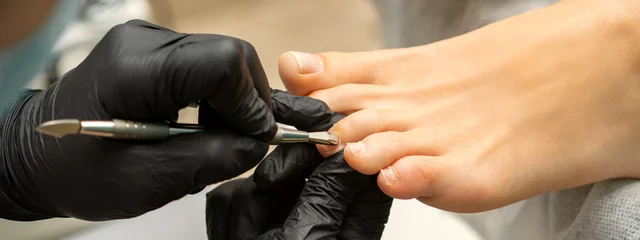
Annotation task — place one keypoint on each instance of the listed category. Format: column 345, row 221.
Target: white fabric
column 605, row 210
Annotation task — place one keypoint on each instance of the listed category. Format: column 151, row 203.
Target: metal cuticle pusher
column 132, row 130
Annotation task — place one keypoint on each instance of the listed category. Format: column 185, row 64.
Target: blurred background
column 273, row 27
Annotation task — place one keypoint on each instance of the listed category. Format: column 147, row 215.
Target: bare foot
column 543, row 101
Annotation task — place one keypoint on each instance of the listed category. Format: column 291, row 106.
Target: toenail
column 389, row 175
column 307, row 62
column 356, row 148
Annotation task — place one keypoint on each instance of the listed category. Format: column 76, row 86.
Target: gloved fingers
column 368, row 214
column 257, row 211
column 216, row 69
column 239, row 210
column 197, row 190
column 324, row 201
column 280, row 234
column 145, row 24
column 137, row 84
column 211, row 118
column 282, row 203
column 158, row 72
column 204, row 158
column 218, row 212
column 303, row 112
column 293, row 162
column 288, row 164
column 259, row 76
column 251, row 210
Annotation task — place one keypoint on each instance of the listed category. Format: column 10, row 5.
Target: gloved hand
column 138, row 71
column 276, row 203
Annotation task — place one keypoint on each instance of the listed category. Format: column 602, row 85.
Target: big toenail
column 307, row 63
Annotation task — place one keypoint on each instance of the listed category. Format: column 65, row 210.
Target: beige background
column 277, row 26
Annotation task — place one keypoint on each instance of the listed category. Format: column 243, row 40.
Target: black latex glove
column 276, row 203
column 138, row 71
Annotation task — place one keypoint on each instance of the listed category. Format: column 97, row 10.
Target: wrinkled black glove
column 276, row 203
column 143, row 72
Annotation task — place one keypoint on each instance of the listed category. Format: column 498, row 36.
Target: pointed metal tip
column 323, row 138
column 60, row 128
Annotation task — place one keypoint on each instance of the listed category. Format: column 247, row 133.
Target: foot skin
column 543, row 101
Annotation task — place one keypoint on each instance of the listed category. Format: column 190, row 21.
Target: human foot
column 540, row 102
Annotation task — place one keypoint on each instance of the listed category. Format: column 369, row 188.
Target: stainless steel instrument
column 132, row 130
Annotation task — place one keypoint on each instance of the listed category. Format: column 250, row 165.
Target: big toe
column 304, row 73
column 299, row 71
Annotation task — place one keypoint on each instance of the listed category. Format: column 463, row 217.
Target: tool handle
column 131, row 130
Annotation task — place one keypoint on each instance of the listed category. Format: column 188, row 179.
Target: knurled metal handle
column 138, row 130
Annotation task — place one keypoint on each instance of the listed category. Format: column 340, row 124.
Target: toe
column 380, row 150
column 416, row 176
column 303, row 73
column 359, row 125
column 300, row 72
column 350, row 98
column 446, row 182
